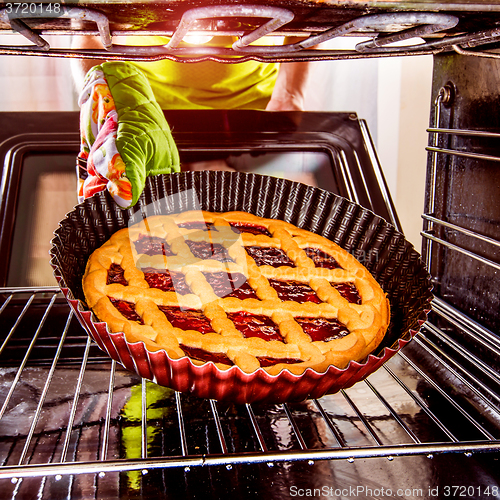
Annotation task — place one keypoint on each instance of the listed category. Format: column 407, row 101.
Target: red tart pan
column 377, row 244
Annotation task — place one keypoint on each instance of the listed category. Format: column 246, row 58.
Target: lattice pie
column 237, row 289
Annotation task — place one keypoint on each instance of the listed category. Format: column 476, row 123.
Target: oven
column 75, row 424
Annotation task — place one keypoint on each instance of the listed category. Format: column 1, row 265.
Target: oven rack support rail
column 435, row 32
column 450, row 329
column 438, row 136
column 385, row 390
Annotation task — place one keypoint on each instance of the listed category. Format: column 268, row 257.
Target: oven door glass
column 326, row 150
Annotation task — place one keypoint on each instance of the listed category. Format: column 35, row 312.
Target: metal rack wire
column 389, row 415
column 435, row 29
column 453, row 327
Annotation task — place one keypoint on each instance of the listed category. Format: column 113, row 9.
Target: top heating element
column 389, row 28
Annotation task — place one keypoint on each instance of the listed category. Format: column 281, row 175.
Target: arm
column 80, row 67
column 289, row 91
column 290, row 87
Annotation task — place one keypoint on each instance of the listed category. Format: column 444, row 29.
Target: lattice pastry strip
column 234, row 288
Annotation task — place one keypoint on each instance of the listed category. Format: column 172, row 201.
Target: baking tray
column 377, row 244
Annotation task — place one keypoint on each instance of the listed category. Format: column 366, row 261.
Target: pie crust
column 237, row 289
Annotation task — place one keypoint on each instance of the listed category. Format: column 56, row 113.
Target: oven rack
column 401, row 410
column 390, row 31
column 459, row 148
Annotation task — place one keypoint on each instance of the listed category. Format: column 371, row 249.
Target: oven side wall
column 466, row 200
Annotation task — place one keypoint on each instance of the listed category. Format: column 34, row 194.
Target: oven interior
column 73, row 424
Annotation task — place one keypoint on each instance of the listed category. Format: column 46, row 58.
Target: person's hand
column 286, row 102
column 290, row 88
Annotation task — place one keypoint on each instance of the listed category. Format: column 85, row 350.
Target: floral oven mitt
column 124, row 134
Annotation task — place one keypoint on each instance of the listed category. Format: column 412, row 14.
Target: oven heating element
column 391, row 32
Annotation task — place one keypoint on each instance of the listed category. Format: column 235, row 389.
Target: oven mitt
column 124, row 134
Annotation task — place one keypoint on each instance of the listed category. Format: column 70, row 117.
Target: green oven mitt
column 124, row 134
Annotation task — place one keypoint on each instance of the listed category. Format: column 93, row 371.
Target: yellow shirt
column 207, row 84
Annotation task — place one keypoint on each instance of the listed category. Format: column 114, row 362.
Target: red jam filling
column 127, row 309
column 274, row 361
column 206, row 250
column 250, row 228
column 321, row 259
column 323, row 329
column 187, row 319
column 152, row 245
column 116, row 274
column 269, row 256
column 230, row 285
column 348, row 291
column 196, row 224
column 218, row 357
column 295, row 291
column 166, row 280
column 202, row 355
column 252, row 325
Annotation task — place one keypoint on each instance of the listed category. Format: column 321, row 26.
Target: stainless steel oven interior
column 74, row 424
